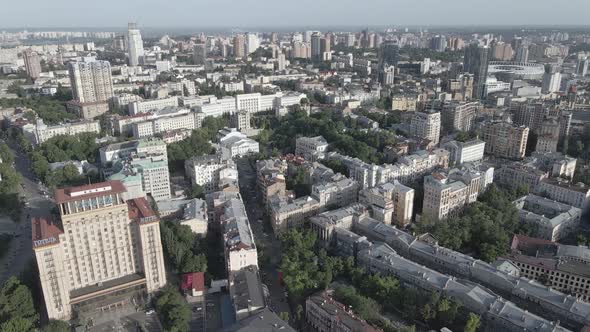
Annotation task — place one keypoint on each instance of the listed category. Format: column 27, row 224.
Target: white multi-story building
column 241, row 120
column 40, row 132
column 249, row 102
column 339, row 191
column 446, row 194
column 204, row 171
column 311, row 148
column 233, row 143
column 548, row 219
column 390, row 202
column 146, row 146
column 240, row 249
column 464, row 152
column 138, row 107
column 573, row 194
column 179, row 119
column 100, row 245
column 142, row 175
column 124, row 99
column 134, row 45
column 217, row 107
column 426, row 125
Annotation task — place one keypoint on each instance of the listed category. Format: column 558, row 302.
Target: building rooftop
column 88, row 191
column 247, row 288
column 263, row 320
column 140, row 210
column 343, row 315
column 45, row 232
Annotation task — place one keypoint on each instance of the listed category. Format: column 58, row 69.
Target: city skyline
column 255, row 14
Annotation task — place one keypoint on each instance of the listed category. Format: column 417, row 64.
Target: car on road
column 150, row 312
column 210, row 304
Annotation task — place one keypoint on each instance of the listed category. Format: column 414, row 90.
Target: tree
column 196, row 191
column 284, row 316
column 173, row 310
column 6, row 155
column 473, row 323
column 17, row 324
column 16, row 303
column 10, row 179
column 194, row 263
column 56, row 326
column 299, row 312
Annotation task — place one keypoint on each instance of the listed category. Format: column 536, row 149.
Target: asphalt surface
column 263, row 237
column 20, row 253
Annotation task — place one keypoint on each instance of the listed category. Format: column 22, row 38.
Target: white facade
column 134, row 45
column 426, row 125
column 464, row 152
column 41, row 132
column 138, row 107
column 311, row 148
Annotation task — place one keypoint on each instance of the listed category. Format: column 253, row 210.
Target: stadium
column 517, row 70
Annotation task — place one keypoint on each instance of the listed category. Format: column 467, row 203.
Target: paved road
column 263, row 237
column 20, row 253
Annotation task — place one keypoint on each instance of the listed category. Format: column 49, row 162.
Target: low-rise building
column 548, row 219
column 138, row 107
column 516, row 174
column 562, row 267
column 204, row 171
column 40, row 132
column 246, row 293
column 233, row 143
column 311, row 148
column 325, row 314
column 195, row 216
column 464, row 152
column 562, row 191
column 239, row 247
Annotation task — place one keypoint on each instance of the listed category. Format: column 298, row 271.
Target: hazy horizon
column 189, row 14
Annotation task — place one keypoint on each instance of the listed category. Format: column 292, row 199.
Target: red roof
column 45, row 232
column 139, row 208
column 88, row 191
column 194, row 280
column 522, row 242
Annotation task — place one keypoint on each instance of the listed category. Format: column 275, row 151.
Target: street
column 20, row 253
column 264, row 238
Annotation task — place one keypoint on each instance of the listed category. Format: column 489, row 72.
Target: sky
column 293, row 13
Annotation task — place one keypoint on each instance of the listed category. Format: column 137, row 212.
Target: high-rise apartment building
column 32, row 63
column 92, row 88
column 459, row 116
column 239, row 46
column 522, row 54
column 100, row 246
column 252, row 42
column 199, row 54
column 551, row 80
column 316, row 47
column 426, row 125
column 134, row 45
column 505, row 140
column 388, row 54
column 476, row 62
